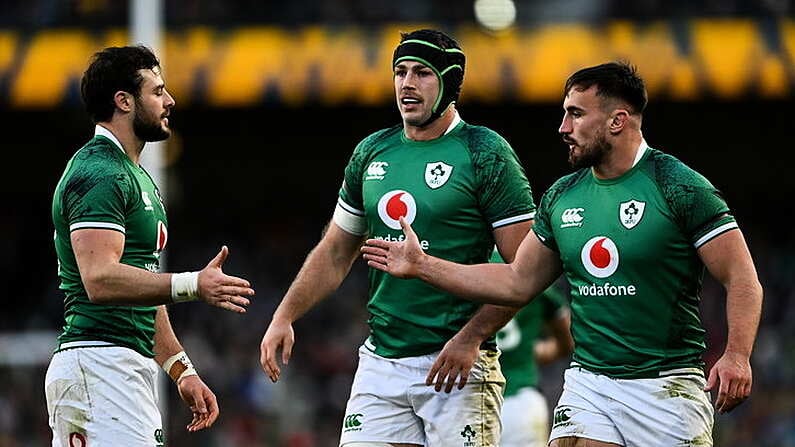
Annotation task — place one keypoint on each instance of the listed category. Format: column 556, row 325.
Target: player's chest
column 147, row 225
column 597, row 224
column 438, row 182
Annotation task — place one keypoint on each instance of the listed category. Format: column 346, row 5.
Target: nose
column 409, row 80
column 170, row 102
column 565, row 125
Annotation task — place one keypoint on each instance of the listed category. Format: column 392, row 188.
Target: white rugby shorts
column 390, row 403
column 658, row 412
column 102, row 396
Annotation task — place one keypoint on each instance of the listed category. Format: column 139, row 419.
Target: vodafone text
column 389, row 238
column 607, row 289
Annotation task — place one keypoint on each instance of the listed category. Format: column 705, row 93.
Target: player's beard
column 148, row 127
column 591, row 154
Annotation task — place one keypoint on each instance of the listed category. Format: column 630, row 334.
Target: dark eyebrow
column 574, row 109
column 416, row 67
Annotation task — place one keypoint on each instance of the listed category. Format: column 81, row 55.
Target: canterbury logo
column 352, row 420
column 571, row 217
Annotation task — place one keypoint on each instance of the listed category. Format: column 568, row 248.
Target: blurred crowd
column 102, row 13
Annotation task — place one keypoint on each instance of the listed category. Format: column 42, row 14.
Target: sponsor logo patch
column 571, row 217
column 376, row 170
column 394, row 205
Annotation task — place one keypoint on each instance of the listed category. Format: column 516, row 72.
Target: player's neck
column 130, row 143
column 432, row 131
column 621, row 159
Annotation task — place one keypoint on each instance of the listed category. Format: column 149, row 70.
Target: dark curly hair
column 618, row 80
column 111, row 70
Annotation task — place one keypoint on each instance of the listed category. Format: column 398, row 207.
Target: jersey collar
column 641, row 150
column 456, row 120
column 101, row 131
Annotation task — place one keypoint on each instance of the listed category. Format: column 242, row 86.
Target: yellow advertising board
column 241, row 67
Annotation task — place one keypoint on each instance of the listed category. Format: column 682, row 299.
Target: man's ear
column 618, row 120
column 123, row 101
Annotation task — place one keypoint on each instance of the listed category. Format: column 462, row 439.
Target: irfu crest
column 630, row 213
column 437, row 173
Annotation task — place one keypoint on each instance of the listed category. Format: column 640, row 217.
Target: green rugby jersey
column 517, row 339
column 628, row 248
column 102, row 188
column 454, row 191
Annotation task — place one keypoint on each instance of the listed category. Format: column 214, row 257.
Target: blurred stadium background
column 271, row 99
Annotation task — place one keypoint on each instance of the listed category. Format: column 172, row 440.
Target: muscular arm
column 108, row 281
column 196, row 394
column 166, row 343
column 325, row 268
column 728, row 260
column 490, row 318
column 514, row 284
column 460, row 353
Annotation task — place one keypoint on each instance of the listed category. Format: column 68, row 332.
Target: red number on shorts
column 77, row 440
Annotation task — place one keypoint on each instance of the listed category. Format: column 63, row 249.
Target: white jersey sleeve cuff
column 715, row 233
column 513, row 220
column 96, row 225
column 350, row 219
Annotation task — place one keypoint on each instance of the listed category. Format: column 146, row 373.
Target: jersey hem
column 693, row 370
column 96, row 343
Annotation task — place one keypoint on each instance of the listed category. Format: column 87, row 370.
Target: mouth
column 569, row 142
column 410, row 101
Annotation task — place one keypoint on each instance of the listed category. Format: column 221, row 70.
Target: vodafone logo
column 162, row 236
column 600, row 256
column 394, row 205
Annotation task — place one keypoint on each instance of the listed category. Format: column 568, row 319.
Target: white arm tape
column 184, row 287
column 183, row 370
column 351, row 223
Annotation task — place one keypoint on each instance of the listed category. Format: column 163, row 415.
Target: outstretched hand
column 221, row 290
column 201, row 401
column 732, row 374
column 399, row 259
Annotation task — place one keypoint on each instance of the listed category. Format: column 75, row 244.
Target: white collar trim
column 641, row 150
column 100, row 130
column 456, row 120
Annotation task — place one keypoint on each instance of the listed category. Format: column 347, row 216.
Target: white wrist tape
column 184, row 287
column 179, row 366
